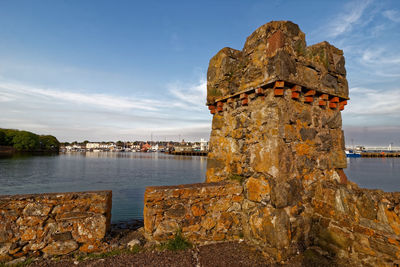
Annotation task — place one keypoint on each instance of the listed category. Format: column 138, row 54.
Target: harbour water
column 127, row 175
column 375, row 173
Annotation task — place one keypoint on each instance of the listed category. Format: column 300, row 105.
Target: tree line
column 27, row 141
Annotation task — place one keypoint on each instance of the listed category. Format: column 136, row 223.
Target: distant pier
column 188, row 153
column 380, row 154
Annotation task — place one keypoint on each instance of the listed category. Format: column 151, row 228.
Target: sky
column 136, row 70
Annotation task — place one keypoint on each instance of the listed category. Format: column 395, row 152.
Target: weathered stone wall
column 53, row 224
column 357, row 224
column 277, row 134
column 203, row 212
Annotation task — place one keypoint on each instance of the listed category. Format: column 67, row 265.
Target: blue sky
column 126, row 70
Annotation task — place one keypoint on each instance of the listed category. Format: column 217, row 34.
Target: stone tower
column 276, row 109
column 277, row 129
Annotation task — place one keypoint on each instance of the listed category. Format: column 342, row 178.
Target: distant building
column 92, row 145
column 183, row 148
column 203, row 145
column 145, row 147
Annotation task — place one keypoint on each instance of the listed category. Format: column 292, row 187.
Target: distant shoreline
column 7, row 151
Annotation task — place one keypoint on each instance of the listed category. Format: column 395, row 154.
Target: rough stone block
column 55, row 223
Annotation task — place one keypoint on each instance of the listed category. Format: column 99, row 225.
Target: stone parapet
column 278, row 89
column 202, row 212
column 53, row 224
column 277, row 51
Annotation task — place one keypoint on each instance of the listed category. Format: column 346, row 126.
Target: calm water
column 375, row 173
column 127, row 175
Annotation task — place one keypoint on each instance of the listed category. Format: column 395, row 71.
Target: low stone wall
column 357, row 224
column 203, row 212
column 53, row 224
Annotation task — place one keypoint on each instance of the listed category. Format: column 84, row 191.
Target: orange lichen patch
column 308, row 99
column 342, row 175
column 279, row 84
column 259, row 91
column 29, row 234
column 344, row 102
column 243, row 96
column 293, row 210
column 218, row 236
column 176, row 193
column 220, row 109
column 303, row 149
column 324, row 96
column 332, row 105
column 308, row 176
column 310, row 93
column 322, row 103
column 363, row 230
column 295, row 95
column 394, row 221
column 278, row 92
column 211, row 107
column 237, row 198
column 213, row 111
column 198, row 210
column 91, row 247
column 208, row 223
column 341, row 107
column 257, row 189
column 220, row 104
column 334, row 99
column 245, row 101
column 393, row 241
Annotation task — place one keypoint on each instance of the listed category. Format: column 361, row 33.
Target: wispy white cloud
column 379, row 55
column 345, row 22
column 81, row 115
column 393, row 15
column 379, row 61
column 191, row 95
column 10, row 91
column 6, row 97
column 379, row 103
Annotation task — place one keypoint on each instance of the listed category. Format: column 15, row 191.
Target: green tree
column 10, row 134
column 120, row 143
column 27, row 141
column 49, row 142
column 2, row 138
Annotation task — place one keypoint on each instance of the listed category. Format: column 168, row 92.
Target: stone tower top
column 277, row 51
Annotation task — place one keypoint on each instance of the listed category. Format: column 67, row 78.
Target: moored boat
column 352, row 154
